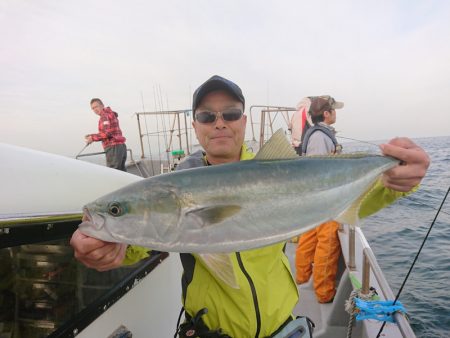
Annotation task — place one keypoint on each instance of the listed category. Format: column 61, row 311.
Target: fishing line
column 353, row 139
column 417, row 256
column 423, row 204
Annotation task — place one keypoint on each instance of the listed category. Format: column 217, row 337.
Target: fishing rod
column 417, row 256
column 87, row 144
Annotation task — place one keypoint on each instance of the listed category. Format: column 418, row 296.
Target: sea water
column 396, row 234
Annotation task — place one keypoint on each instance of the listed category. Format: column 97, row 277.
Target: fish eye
column 115, row 209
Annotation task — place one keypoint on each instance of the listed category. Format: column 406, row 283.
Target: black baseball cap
column 214, row 83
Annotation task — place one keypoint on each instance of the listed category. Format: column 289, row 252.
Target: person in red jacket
column 110, row 134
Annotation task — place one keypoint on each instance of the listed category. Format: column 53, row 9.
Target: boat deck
column 330, row 319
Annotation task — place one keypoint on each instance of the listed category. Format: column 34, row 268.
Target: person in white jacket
column 300, row 121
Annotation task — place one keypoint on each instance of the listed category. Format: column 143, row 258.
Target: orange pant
column 319, row 246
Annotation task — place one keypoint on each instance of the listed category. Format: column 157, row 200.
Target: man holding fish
column 220, row 218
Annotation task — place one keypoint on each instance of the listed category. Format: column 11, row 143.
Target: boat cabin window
column 45, row 291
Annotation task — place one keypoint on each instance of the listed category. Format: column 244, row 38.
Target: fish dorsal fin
column 220, row 265
column 277, row 147
column 351, row 214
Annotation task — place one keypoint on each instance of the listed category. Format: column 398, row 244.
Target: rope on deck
column 350, row 306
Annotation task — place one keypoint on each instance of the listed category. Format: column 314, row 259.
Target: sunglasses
column 229, row 115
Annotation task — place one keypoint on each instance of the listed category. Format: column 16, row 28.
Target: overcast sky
column 389, row 61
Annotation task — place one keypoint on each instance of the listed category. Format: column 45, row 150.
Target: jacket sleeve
column 380, row 197
column 134, row 254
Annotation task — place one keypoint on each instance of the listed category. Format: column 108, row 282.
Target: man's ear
column 194, row 125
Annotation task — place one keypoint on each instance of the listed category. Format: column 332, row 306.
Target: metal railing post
column 187, row 137
column 365, row 274
column 140, row 136
column 261, row 130
column 351, row 248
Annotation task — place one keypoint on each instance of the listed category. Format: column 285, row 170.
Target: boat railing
column 131, row 162
column 171, row 121
column 369, row 263
column 103, row 152
column 269, row 120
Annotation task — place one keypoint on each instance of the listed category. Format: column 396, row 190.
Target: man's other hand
column 413, row 167
column 88, row 139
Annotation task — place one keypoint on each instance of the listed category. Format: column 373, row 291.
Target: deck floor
column 308, row 305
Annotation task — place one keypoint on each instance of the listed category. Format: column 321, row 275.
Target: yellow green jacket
column 267, row 292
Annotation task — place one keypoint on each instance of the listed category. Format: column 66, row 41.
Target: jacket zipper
column 255, row 298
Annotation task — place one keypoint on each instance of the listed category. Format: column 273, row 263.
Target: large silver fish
column 237, row 206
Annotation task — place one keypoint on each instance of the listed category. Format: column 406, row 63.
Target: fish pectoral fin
column 214, row 214
column 221, row 266
column 351, row 214
column 277, row 147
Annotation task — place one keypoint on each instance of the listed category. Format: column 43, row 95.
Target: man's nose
column 220, row 122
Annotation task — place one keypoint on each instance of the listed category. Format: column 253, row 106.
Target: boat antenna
column 158, row 132
column 147, row 133
column 417, row 256
column 163, row 122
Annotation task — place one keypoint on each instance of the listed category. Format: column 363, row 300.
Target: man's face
column 330, row 117
column 222, row 140
column 97, row 107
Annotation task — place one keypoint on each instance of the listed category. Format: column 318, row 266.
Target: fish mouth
column 86, row 215
column 90, row 220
